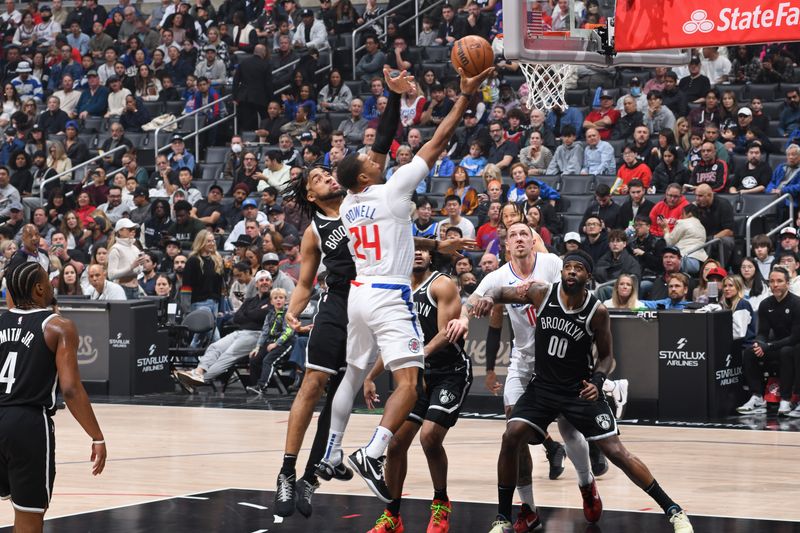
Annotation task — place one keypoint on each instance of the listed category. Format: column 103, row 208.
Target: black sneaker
column 327, row 471
column 257, row 389
column 556, row 460
column 304, row 492
column 372, row 471
column 284, row 495
column 598, row 460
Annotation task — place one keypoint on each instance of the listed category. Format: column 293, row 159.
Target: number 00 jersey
column 27, row 365
column 378, row 222
column 452, row 355
column 336, row 257
column 564, row 341
column 546, row 269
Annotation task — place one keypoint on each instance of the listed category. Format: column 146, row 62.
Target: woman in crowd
column 57, row 206
column 534, row 220
column 213, row 39
column 411, row 105
column 744, row 318
column 754, row 286
column 77, row 151
column 57, row 160
column 687, row 234
column 26, row 32
column 669, row 170
column 302, row 95
column 251, row 255
column 40, row 68
column 157, row 63
column 625, row 294
column 728, row 110
column 20, row 166
column 700, row 293
column 73, row 229
column 30, row 110
column 681, row 130
column 7, row 249
column 11, row 104
column 403, row 156
column 67, row 283
column 428, row 81
column 519, row 172
column 125, row 258
column 164, row 287
column 84, row 207
column 147, row 85
column 335, row 96
column 535, row 156
column 37, row 139
column 202, row 277
column 460, row 187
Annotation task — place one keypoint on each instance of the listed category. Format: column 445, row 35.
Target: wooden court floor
column 162, row 452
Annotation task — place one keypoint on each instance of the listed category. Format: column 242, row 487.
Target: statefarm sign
column 651, row 25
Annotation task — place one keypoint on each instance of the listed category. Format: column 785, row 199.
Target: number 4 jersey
column 546, row 269
column 378, row 222
column 27, row 366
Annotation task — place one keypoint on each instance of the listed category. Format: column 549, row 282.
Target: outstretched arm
column 533, row 294
column 387, row 125
column 310, row 257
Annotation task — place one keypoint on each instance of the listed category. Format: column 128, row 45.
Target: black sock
column 505, row 496
column 394, row 506
column 310, row 474
column 289, row 462
column 665, row 502
column 440, row 494
column 549, row 444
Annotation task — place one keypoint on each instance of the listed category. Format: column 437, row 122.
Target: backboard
column 534, row 32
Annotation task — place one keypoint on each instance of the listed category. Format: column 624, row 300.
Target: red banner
column 656, row 24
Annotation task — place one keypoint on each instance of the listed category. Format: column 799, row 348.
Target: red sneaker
column 440, row 517
column 527, row 520
column 592, row 504
column 388, row 523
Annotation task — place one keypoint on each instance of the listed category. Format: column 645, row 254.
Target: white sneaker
column 754, row 406
column 681, row 523
column 796, row 412
column 620, row 395
column 501, row 526
column 785, row 408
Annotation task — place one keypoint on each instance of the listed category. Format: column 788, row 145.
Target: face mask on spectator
column 636, row 91
column 236, row 148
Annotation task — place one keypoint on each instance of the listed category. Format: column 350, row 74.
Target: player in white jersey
column 525, row 267
column 377, row 216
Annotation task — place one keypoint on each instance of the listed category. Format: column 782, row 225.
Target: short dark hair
column 452, row 198
column 271, row 190
column 454, row 229
column 762, row 240
column 602, row 189
column 275, row 155
column 635, row 182
column 243, row 266
column 672, row 75
column 778, row 268
column 347, row 171
column 568, row 129
column 182, row 205
column 642, row 218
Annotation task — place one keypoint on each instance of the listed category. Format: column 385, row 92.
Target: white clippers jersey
column 546, row 268
column 378, row 222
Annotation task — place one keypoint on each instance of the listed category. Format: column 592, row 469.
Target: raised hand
column 471, row 85
column 400, row 83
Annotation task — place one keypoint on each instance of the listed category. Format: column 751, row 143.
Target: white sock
column 333, row 450
column 577, row 451
column 525, row 493
column 380, row 440
column 609, row 385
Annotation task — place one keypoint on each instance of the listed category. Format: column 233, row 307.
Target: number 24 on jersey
column 364, row 242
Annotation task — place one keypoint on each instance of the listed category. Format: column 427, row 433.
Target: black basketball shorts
column 327, row 344
column 440, row 396
column 541, row 403
column 27, row 458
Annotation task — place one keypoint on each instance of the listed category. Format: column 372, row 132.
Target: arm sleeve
column 387, row 126
column 492, row 347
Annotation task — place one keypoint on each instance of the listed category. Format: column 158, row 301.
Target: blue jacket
column 571, row 116
column 546, row 192
column 793, row 187
column 666, row 302
column 789, row 119
column 96, row 105
column 10, row 148
column 57, row 72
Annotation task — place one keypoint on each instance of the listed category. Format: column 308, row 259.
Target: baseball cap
column 24, row 66
column 672, row 250
column 209, row 48
column 788, row 231
column 306, row 136
column 90, row 73
column 172, row 240
column 112, row 78
column 11, row 132
column 45, row 8
column 572, row 236
column 275, row 209
column 261, row 274
column 469, row 113
column 270, row 258
column 176, row 138
column 15, row 206
column 695, row 60
column 125, row 223
column 242, row 240
column 606, row 94
column 306, row 13
column 72, row 124
column 290, row 241
column 530, row 180
column 141, row 191
column 217, row 187
column 745, row 111
column 717, row 271
column 635, row 81
column 249, row 202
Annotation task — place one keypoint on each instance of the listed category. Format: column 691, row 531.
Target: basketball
column 473, row 54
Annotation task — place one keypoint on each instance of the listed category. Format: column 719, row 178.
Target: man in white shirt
column 116, row 97
column 452, row 205
column 11, row 14
column 250, row 212
column 115, row 208
column 68, row 96
column 310, row 32
column 48, row 29
column 275, row 173
column 102, row 289
column 106, row 70
column 715, row 66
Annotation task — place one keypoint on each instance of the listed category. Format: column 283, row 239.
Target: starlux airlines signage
column 650, row 25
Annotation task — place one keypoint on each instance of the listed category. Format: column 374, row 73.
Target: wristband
column 597, row 380
column 98, row 442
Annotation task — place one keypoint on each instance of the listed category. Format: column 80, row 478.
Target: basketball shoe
column 556, row 460
column 284, row 495
column 388, row 523
column 327, row 470
column 440, row 517
column 620, row 394
column 304, row 491
column 371, row 470
column 784, row 408
column 501, row 525
column 681, row 523
column 756, row 405
column 527, row 520
column 592, row 504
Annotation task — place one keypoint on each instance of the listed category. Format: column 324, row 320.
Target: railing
column 42, row 186
column 384, row 17
column 761, row 212
column 706, row 245
column 321, row 69
column 197, row 129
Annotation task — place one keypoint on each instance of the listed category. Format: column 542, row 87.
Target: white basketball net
column 546, row 84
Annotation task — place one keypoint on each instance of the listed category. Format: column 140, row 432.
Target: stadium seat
column 776, row 159
column 779, row 145
column 336, row 118
column 768, row 92
column 550, row 180
column 755, row 202
column 93, row 124
column 572, row 222
column 576, row 204
column 204, row 184
column 575, row 184
column 576, row 97
column 440, row 185
column 210, row 172
column 608, row 180
column 136, row 137
column 772, row 109
column 174, row 108
column 216, row 154
column 154, row 108
column 436, row 54
column 354, row 86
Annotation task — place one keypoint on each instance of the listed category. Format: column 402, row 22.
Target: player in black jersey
column 568, row 382
column 325, row 241
column 447, row 379
column 38, row 350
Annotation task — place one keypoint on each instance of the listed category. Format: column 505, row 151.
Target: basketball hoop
column 546, row 84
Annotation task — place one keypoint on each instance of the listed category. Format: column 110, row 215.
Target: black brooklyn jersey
column 336, row 255
column 425, row 306
column 563, row 341
column 27, row 366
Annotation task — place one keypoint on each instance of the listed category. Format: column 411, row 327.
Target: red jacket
column 640, row 171
column 672, row 214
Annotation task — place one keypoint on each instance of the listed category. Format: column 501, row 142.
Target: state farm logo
column 743, row 19
column 698, row 23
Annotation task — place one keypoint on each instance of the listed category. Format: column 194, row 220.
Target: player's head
column 28, row 286
column 315, row 185
column 577, row 271
column 357, row 171
column 519, row 240
column 422, row 261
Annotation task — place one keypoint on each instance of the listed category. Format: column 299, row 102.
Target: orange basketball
column 472, row 53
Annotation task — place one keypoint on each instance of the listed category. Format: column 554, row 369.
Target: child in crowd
column 274, row 343
column 474, row 163
column 427, row 36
